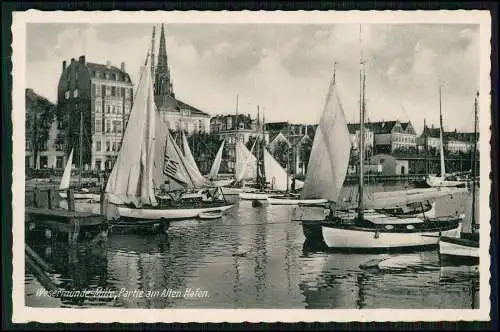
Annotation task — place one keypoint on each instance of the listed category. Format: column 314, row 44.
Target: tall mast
column 81, row 147
column 153, row 55
column 426, row 149
column 443, row 170
column 361, row 144
column 473, row 217
column 361, row 130
column 288, row 157
column 236, row 133
column 257, row 144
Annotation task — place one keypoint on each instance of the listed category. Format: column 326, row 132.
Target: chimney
column 108, row 64
column 81, row 59
column 64, row 65
column 122, row 66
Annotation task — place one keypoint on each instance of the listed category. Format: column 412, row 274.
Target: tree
column 305, row 152
column 282, row 152
column 40, row 114
column 204, row 148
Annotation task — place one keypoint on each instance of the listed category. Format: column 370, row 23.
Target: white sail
column 329, row 157
column 277, row 175
column 246, row 163
column 189, row 155
column 216, row 164
column 131, row 180
column 67, row 173
column 195, row 174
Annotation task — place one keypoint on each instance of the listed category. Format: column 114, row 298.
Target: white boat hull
column 291, row 201
column 457, row 250
column 234, row 191
column 87, row 196
column 437, row 182
column 157, row 214
column 360, row 239
column 255, row 196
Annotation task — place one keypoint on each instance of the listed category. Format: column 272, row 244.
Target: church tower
column 162, row 80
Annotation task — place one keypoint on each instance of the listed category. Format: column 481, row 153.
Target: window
column 119, row 92
column 59, row 162
column 113, row 91
column 107, row 109
column 98, row 164
column 127, row 93
column 126, row 79
column 117, row 126
column 98, row 74
column 108, row 146
column 108, row 90
column 66, row 95
column 98, row 145
column 60, row 125
column 115, row 76
column 98, row 106
column 75, row 93
column 106, row 76
column 127, row 108
column 119, row 108
column 107, row 126
column 98, row 125
column 43, row 162
column 98, row 92
column 113, row 146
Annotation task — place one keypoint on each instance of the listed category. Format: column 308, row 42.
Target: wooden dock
column 77, row 225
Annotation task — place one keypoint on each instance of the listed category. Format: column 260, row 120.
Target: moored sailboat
column 358, row 229
column 150, row 161
column 467, row 246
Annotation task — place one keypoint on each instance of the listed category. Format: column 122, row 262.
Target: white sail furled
column 246, row 163
column 216, row 164
column 131, row 180
column 66, row 178
column 330, row 151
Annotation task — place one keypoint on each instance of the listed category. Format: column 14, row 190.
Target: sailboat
column 214, row 170
column 467, row 246
column 150, row 161
column 358, row 229
column 442, row 180
column 81, row 193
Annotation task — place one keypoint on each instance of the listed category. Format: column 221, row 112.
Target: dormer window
column 75, row 93
column 97, row 74
column 66, row 95
column 107, row 76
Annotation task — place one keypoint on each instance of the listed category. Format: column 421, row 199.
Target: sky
column 284, row 68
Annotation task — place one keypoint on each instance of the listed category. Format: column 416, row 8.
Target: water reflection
column 253, row 257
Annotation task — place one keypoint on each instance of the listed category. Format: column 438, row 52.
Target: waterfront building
column 298, row 137
column 177, row 114
column 454, row 141
column 44, row 139
column 101, row 95
column 389, row 165
column 233, row 128
column 390, row 136
column 354, row 135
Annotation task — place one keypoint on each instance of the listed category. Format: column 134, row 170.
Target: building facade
column 354, row 135
column 453, row 141
column 177, row 114
column 233, row 128
column 393, row 135
column 44, row 140
column 101, row 96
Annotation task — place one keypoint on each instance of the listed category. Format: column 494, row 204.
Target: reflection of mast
column 261, row 258
column 360, row 302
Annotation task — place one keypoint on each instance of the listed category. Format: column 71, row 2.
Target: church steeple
column 163, row 83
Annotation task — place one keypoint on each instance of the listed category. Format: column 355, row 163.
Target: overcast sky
column 285, row 69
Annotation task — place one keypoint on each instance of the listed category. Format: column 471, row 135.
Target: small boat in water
column 215, row 214
column 358, row 228
column 292, row 199
column 150, row 163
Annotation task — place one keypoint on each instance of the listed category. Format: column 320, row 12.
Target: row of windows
column 110, row 91
column 110, row 146
column 404, row 139
column 109, row 126
column 68, row 93
column 109, row 76
column 112, row 109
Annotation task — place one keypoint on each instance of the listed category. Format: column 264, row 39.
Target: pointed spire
column 163, row 83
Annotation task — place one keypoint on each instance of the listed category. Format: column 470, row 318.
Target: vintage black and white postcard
column 301, row 166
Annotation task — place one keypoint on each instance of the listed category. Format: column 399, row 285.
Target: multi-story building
column 101, row 96
column 298, row 137
column 232, row 128
column 44, row 146
column 453, row 141
column 354, row 135
column 177, row 114
column 393, row 135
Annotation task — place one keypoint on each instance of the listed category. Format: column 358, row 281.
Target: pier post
column 36, row 197
column 70, row 196
column 50, row 198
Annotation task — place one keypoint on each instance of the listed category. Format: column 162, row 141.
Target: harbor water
column 254, row 257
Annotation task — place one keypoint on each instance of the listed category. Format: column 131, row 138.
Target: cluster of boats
column 154, row 180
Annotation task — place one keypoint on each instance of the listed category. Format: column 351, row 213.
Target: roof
column 381, row 127
column 191, row 108
column 449, row 135
column 107, row 69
